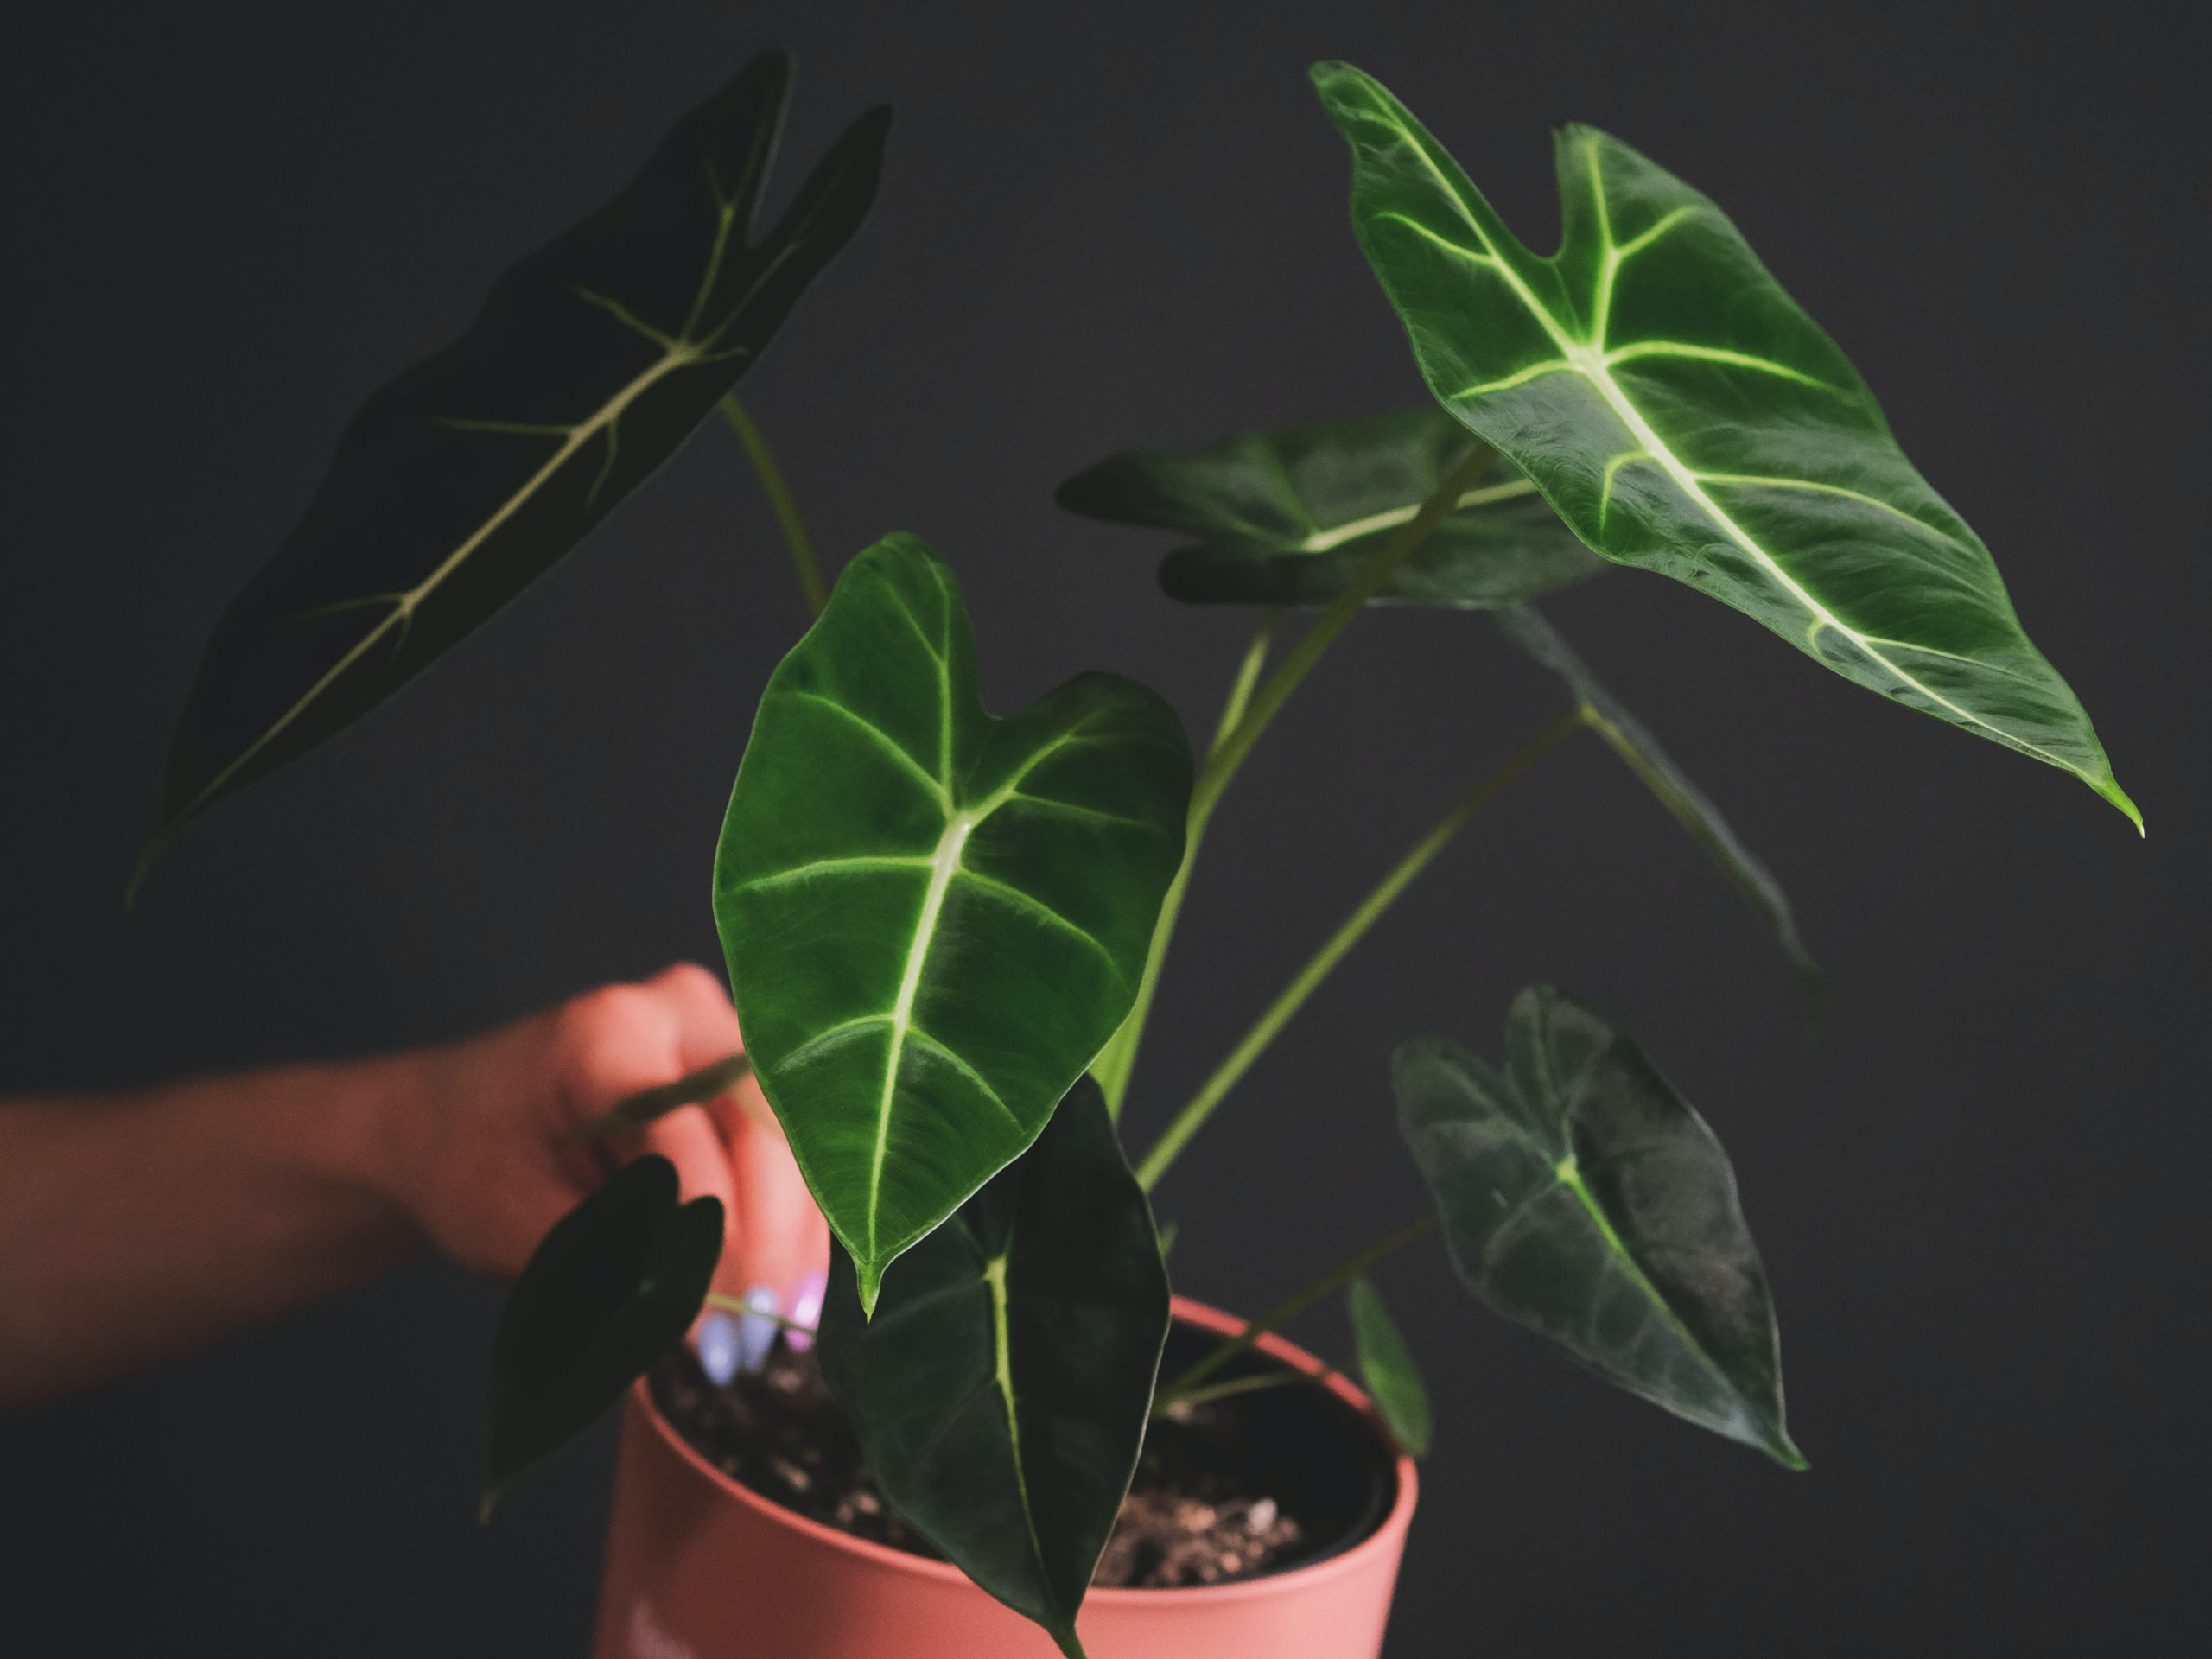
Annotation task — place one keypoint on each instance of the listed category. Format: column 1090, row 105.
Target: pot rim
column 1386, row 1534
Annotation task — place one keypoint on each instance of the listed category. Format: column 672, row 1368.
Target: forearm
column 135, row 1227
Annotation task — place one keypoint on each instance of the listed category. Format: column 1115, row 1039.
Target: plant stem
column 1199, row 1396
column 738, row 1305
column 1180, row 1391
column 635, row 1111
column 1119, row 1058
column 1226, row 1076
column 780, row 502
column 1228, row 754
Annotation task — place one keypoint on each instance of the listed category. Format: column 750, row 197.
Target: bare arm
column 133, row 1227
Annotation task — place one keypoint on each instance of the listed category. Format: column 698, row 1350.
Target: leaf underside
column 1682, row 415
column 1289, row 516
column 1580, row 1196
column 1000, row 1394
column 611, row 1288
column 467, row 478
column 1630, row 739
column 933, row 918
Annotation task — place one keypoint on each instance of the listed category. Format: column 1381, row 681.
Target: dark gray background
column 1105, row 226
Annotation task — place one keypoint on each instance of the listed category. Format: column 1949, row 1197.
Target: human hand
column 486, row 1155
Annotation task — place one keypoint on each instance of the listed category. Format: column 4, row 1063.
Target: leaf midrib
column 1322, row 541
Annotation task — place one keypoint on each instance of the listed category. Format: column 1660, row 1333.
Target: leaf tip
column 869, row 1277
column 2108, row 786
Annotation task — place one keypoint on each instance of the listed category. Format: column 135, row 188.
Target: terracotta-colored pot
column 701, row 1567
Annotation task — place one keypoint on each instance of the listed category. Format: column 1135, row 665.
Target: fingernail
column 806, row 1309
column 756, row 1335
column 717, row 1343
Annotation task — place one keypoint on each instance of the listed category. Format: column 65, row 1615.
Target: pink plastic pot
column 701, row 1567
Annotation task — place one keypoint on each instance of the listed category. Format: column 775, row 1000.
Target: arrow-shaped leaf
column 934, row 919
column 1000, row 1393
column 1683, row 415
column 1288, row 516
column 613, row 1286
column 463, row 480
column 1628, row 737
column 1387, row 1370
column 1580, row 1196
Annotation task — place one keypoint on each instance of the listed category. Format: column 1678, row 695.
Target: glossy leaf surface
column 1288, row 516
column 1580, row 1196
column 1629, row 738
column 1684, row 415
column 1387, row 1370
column 934, row 920
column 463, row 480
column 613, row 1286
column 1000, row 1394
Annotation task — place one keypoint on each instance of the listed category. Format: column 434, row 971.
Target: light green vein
column 1015, row 897
column 827, row 866
column 959, row 1063
column 945, row 863
column 882, row 738
column 1760, row 481
column 1518, row 377
column 1687, row 351
column 1321, row 541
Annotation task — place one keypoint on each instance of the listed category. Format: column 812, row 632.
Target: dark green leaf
column 1580, row 1196
column 1000, row 1394
column 463, row 480
column 1684, row 415
column 1386, row 1368
column 1288, row 516
column 934, row 920
column 1628, row 738
column 613, row 1287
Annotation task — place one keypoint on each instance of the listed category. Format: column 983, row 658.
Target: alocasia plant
column 944, row 931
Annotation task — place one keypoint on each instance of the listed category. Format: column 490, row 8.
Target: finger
column 779, row 1240
column 698, row 1003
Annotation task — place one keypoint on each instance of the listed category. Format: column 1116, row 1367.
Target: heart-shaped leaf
column 1288, row 516
column 1627, row 737
column 1684, row 415
column 1000, row 1394
column 1580, row 1196
column 463, row 480
column 613, row 1287
column 934, row 920
column 1387, row 1370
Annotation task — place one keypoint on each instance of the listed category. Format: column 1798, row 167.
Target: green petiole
column 1186, row 1387
column 1232, row 1069
column 1119, row 1058
column 781, row 502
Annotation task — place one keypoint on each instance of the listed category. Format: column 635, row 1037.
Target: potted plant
column 944, row 930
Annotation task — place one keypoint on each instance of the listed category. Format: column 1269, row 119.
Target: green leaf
column 1000, row 1394
column 1684, row 415
column 1580, row 1196
column 1386, row 1368
column 1628, row 738
column 466, row 479
column 934, row 920
column 1288, row 516
column 613, row 1287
